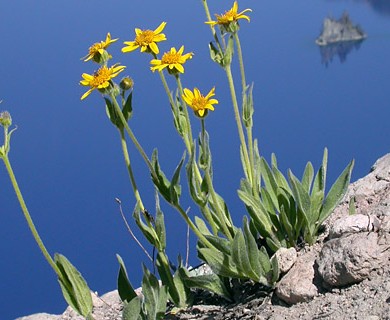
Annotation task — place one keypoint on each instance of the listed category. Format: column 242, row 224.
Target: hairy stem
column 28, row 218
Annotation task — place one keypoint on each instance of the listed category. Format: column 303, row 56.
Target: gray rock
column 350, row 259
column 298, row 284
column 353, row 224
column 108, row 306
column 286, row 258
column 339, row 30
column 41, row 316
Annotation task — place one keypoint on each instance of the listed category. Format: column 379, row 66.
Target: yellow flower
column 101, row 79
column 98, row 49
column 146, row 39
column 199, row 103
column 172, row 59
column 230, row 16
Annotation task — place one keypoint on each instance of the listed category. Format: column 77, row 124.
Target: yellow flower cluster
column 230, row 16
column 199, row 103
column 146, row 39
column 100, row 79
column 173, row 60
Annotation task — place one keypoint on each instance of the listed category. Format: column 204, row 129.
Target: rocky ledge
column 345, row 275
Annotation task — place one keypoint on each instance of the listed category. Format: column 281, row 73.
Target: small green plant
column 289, row 211
column 74, row 288
column 283, row 212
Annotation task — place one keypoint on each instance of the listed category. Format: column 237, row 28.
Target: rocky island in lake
column 334, row 31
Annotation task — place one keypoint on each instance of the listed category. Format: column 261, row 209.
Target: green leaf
column 147, row 230
column 253, row 251
column 181, row 288
column 301, row 197
column 258, row 213
column 155, row 296
column 204, row 152
column 275, row 270
column 269, row 182
column 209, row 282
column 215, row 54
column 219, row 262
column 196, row 192
column 128, row 107
column 201, row 225
column 160, row 180
column 240, row 256
column 132, row 310
column 219, row 243
column 264, row 260
column 336, row 193
column 352, row 206
column 292, row 233
column 247, row 106
column 175, row 188
column 167, row 277
column 111, row 114
column 307, row 177
column 320, row 179
column 160, row 225
column 220, row 203
column 74, row 288
column 229, row 51
column 125, row 289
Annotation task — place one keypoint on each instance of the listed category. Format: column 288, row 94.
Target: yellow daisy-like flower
column 99, row 48
column 146, row 39
column 101, row 79
column 199, row 103
column 172, row 59
column 230, row 16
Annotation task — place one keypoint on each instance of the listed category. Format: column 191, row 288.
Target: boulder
column 298, row 284
column 351, row 258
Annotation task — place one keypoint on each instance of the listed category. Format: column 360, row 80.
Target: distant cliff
column 339, row 30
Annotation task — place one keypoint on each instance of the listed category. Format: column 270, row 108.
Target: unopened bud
column 126, row 83
column 5, row 119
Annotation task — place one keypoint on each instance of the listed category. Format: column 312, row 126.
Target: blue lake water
column 67, row 155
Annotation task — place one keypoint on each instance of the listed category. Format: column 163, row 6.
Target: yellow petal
column 86, row 94
column 179, row 67
column 160, row 28
column 154, row 48
column 235, row 7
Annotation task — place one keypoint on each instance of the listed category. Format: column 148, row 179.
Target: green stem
column 238, row 120
column 166, row 88
column 248, row 129
column 209, row 181
column 240, row 61
column 28, row 218
column 132, row 136
column 130, row 170
column 193, row 227
column 189, row 129
column 212, row 27
column 187, row 140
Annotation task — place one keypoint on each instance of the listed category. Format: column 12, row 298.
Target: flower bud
column 5, row 119
column 102, row 57
column 126, row 83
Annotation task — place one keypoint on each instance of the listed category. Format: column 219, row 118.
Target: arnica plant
column 282, row 210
